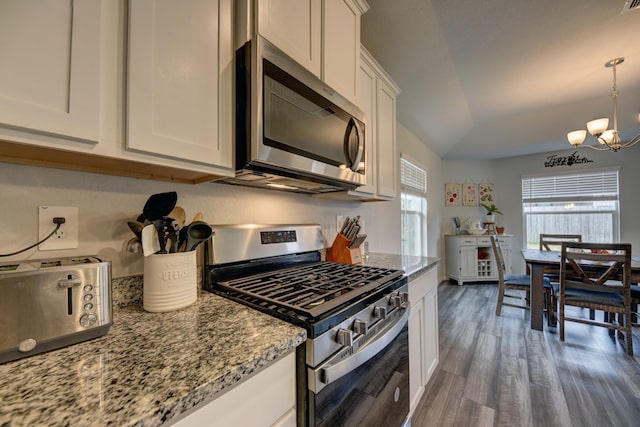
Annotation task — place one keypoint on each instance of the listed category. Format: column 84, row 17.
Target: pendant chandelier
column 608, row 138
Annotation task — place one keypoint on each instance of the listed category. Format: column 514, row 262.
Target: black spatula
column 159, row 205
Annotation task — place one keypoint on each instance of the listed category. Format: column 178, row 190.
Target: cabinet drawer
column 468, row 241
column 422, row 284
column 484, row 241
column 504, row 240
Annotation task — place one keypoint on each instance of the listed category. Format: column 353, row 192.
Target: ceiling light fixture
column 608, row 138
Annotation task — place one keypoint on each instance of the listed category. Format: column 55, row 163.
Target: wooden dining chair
column 506, row 282
column 553, row 242
column 593, row 288
column 635, row 302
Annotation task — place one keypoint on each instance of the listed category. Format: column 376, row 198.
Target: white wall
column 510, row 171
column 506, row 174
column 105, row 203
column 476, row 172
column 416, row 150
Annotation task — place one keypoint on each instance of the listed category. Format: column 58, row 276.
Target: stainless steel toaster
column 51, row 303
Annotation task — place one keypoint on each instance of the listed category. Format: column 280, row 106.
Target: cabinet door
column 341, row 47
column 265, row 399
column 366, row 101
column 468, row 261
column 416, row 346
column 50, row 73
column 180, row 80
column 430, row 349
column 294, row 26
column 386, row 140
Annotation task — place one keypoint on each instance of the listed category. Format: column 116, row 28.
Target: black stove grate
column 311, row 290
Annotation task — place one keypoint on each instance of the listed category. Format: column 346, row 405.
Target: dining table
column 548, row 262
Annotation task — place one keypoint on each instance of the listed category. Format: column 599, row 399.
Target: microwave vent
column 630, row 5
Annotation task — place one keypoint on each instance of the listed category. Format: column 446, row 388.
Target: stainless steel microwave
column 293, row 132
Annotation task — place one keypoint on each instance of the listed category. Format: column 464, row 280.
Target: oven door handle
column 329, row 372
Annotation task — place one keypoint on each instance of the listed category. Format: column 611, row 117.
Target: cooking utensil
column 134, row 246
column 357, row 241
column 178, row 215
column 136, row 227
column 194, row 234
column 345, row 225
column 150, row 242
column 197, row 217
column 159, row 205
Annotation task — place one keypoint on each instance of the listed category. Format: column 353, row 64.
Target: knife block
column 342, row 253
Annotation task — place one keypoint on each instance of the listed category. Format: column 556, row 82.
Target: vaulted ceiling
column 484, row 79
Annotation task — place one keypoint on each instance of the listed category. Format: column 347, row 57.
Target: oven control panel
column 281, row 236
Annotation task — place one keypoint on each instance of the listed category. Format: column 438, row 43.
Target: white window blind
column 587, row 185
column 412, row 177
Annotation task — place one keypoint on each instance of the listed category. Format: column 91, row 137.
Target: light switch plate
column 67, row 236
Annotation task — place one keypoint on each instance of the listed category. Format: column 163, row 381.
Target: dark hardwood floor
column 495, row 371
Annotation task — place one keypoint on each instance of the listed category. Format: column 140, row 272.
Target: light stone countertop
column 412, row 266
column 151, row 367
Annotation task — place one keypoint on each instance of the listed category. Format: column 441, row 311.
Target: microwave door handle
column 329, row 373
column 353, row 126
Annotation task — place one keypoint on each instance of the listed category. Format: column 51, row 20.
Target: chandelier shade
column 599, row 128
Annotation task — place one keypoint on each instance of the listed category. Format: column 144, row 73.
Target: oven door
column 368, row 388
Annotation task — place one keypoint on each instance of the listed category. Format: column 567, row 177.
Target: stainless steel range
column 353, row 368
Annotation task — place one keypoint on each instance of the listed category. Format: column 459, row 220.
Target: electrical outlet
column 67, row 235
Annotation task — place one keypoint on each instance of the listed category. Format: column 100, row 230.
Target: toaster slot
column 69, row 301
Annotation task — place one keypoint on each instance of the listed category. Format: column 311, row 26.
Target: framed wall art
column 485, row 193
column 452, row 194
column 469, row 195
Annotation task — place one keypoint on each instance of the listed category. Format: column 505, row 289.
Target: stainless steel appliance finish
column 293, row 132
column 355, row 316
column 51, row 303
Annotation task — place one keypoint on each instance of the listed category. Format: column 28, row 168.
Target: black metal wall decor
column 570, row 160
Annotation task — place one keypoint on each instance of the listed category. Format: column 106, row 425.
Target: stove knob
column 344, row 337
column 360, row 327
column 396, row 300
column 380, row 312
column 405, row 296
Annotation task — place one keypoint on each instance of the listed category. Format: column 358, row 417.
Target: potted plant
column 492, row 210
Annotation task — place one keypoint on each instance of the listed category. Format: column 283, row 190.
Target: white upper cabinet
column 50, row 73
column 295, row 27
column 387, row 160
column 377, row 98
column 321, row 35
column 367, row 102
column 137, row 88
column 341, row 46
column 179, row 91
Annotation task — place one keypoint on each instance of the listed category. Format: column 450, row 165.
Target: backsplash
column 105, row 203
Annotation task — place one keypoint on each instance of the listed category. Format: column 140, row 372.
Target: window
column 413, row 186
column 583, row 203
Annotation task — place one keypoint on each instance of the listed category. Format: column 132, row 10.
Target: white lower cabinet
column 423, row 333
column 265, row 399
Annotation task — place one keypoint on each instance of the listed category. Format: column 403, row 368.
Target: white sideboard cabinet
column 470, row 258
